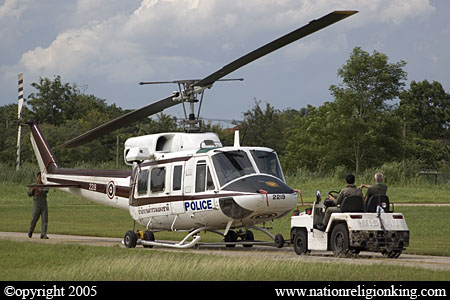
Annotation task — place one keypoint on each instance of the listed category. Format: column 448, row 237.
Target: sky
column 107, row 47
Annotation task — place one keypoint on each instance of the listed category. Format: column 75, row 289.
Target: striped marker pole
column 19, row 117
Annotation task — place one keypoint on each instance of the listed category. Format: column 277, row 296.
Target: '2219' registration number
column 278, row 196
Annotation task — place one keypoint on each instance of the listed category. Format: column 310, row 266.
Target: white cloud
column 13, row 8
column 71, row 52
column 168, row 35
column 398, row 11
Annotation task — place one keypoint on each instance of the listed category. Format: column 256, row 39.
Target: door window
column 203, row 178
column 177, row 173
column 158, row 180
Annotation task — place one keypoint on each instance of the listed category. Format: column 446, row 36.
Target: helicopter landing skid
column 181, row 245
column 278, row 240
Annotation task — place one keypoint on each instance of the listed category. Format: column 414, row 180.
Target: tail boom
column 108, row 187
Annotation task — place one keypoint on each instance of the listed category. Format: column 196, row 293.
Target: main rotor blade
column 120, row 122
column 295, row 35
column 159, row 106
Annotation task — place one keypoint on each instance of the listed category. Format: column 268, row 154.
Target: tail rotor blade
column 20, row 96
column 19, row 118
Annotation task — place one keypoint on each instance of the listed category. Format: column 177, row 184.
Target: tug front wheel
column 130, row 239
column 301, row 242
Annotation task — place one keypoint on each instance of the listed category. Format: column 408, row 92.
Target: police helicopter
column 185, row 181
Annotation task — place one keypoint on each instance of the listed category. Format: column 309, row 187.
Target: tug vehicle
column 355, row 228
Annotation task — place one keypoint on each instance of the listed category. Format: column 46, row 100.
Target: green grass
column 68, row 214
column 26, row 260
column 429, row 230
column 429, row 226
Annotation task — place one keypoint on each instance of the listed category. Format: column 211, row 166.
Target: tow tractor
column 355, row 228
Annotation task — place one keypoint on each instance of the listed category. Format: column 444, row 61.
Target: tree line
column 371, row 120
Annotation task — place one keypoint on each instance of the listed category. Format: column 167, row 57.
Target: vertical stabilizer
column 44, row 155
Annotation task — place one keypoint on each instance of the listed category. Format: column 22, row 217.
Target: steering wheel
column 333, row 194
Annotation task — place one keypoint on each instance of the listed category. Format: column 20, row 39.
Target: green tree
column 359, row 128
column 310, row 139
column 425, row 109
column 425, row 112
column 266, row 127
column 363, row 116
column 8, row 135
column 51, row 100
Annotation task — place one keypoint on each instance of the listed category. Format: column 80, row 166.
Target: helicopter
column 185, row 181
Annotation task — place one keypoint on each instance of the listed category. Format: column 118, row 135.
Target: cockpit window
column 230, row 165
column 143, row 182
column 267, row 162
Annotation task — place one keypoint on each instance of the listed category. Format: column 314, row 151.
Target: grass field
column 429, row 226
column 68, row 214
column 26, row 261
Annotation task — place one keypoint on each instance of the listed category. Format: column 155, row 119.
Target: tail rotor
column 19, row 118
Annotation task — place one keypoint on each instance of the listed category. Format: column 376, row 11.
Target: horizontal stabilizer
column 53, row 185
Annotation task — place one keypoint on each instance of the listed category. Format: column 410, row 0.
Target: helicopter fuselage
column 213, row 186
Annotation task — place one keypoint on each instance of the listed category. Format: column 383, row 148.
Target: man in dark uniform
column 379, row 188
column 349, row 190
column 39, row 208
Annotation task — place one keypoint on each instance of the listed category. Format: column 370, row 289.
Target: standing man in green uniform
column 379, row 188
column 39, row 208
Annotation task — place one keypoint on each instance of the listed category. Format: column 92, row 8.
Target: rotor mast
column 189, row 92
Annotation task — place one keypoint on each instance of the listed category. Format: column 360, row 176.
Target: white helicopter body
column 212, row 188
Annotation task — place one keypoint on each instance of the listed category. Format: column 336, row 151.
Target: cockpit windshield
column 230, row 165
column 267, row 162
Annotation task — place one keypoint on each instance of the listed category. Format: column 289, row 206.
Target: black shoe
column 320, row 227
column 44, row 237
column 30, row 234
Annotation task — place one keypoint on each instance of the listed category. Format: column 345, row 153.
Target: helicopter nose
column 273, row 193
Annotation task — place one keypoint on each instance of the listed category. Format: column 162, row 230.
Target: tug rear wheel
column 340, row 240
column 130, row 239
